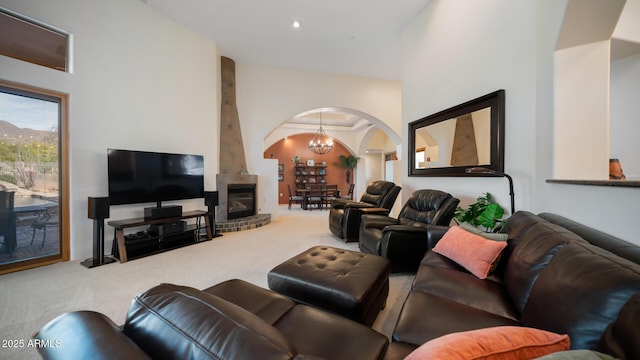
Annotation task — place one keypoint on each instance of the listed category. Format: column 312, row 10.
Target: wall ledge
column 610, row 183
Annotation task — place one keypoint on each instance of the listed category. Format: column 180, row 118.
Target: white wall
column 267, row 96
column 625, row 110
column 612, row 210
column 140, row 81
column 628, row 26
column 267, row 187
column 581, row 136
column 457, row 50
column 373, row 165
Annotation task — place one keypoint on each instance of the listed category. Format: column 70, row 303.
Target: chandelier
column 321, row 142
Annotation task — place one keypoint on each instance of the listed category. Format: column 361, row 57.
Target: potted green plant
column 347, row 163
column 484, row 212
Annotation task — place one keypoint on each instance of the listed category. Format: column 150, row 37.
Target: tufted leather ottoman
column 349, row 283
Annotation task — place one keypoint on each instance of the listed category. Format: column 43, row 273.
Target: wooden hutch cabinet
column 307, row 174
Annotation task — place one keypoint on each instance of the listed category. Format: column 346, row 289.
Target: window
column 33, row 178
column 33, row 41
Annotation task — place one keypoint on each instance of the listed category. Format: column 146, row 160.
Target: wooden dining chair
column 349, row 194
column 331, row 193
column 315, row 196
column 294, row 198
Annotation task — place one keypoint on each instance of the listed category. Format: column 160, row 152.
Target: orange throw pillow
column 496, row 343
column 473, row 252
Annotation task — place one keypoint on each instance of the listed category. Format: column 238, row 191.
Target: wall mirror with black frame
column 467, row 135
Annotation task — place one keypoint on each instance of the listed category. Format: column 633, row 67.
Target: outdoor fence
column 41, row 176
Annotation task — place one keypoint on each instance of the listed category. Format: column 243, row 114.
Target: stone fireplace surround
column 233, row 165
column 223, row 224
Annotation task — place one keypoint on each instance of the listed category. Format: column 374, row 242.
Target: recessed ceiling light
column 296, row 24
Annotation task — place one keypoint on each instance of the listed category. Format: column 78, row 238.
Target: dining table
column 306, row 194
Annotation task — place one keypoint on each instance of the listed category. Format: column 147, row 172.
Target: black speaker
column 98, row 208
column 211, row 198
column 211, row 201
column 153, row 213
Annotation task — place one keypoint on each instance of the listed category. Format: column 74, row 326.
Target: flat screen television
column 144, row 176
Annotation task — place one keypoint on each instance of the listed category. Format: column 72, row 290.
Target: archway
column 352, row 137
column 293, row 126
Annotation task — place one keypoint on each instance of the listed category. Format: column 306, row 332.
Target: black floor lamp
column 487, row 171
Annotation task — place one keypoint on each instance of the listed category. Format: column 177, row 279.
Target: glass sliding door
column 33, row 157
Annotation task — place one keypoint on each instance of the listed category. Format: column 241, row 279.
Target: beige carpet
column 29, row 299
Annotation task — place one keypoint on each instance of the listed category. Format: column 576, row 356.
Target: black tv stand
column 145, row 243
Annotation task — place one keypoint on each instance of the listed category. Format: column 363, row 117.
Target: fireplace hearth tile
column 245, row 223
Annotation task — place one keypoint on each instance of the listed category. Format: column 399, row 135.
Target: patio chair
column 42, row 222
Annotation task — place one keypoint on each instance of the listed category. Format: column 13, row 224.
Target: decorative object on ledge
column 321, row 143
column 615, row 170
column 487, row 171
column 450, row 141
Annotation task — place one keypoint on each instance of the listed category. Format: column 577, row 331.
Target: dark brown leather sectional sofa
column 548, row 278
column 231, row 320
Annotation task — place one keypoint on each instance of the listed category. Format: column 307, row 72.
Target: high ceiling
column 355, row 37
column 352, row 37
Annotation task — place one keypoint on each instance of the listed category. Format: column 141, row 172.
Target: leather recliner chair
column 344, row 215
column 404, row 240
